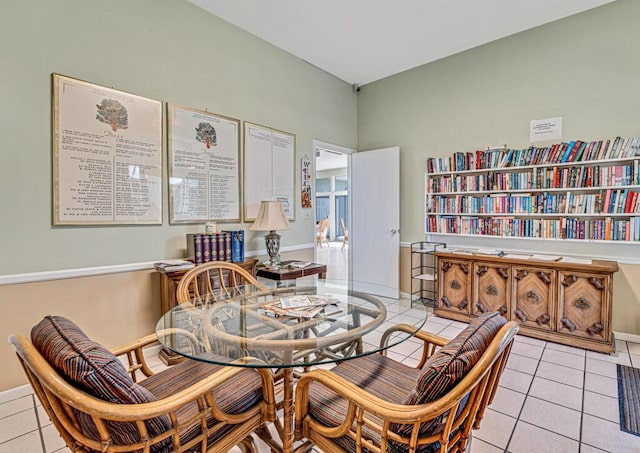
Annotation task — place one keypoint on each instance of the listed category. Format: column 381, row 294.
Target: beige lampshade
column 270, row 217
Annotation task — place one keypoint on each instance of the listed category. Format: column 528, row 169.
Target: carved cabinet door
column 491, row 288
column 533, row 301
column 454, row 291
column 583, row 304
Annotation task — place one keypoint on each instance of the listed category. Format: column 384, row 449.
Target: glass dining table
column 287, row 329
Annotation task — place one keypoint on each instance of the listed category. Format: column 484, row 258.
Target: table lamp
column 271, row 217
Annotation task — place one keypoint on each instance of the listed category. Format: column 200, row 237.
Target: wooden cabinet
column 583, row 305
column 491, row 288
column 566, row 303
column 454, row 284
column 168, row 286
column 533, row 299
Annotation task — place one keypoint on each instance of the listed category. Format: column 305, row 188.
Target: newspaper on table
column 299, row 306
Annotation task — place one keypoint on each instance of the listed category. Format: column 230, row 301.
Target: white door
column 374, row 236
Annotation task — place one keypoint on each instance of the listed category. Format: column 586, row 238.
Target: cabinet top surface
column 596, row 265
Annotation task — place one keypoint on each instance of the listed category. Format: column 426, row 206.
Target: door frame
column 319, row 145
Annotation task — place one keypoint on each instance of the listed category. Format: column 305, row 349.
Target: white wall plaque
column 546, row 129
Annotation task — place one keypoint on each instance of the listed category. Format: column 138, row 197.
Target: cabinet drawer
column 533, row 301
column 454, row 286
column 491, row 288
column 583, row 304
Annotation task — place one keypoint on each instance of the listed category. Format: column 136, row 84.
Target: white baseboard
column 15, row 393
column 631, row 337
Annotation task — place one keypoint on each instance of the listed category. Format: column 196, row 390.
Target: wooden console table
column 562, row 302
column 168, row 286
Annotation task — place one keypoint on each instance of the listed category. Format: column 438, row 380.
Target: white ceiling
column 361, row 41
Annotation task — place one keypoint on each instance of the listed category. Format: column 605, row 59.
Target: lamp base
column 272, row 240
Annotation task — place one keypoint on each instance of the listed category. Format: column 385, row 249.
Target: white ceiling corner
column 361, row 41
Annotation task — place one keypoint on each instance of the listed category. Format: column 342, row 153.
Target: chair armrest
column 430, row 341
column 133, row 351
column 395, row 413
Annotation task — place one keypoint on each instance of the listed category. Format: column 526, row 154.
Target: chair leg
column 248, row 445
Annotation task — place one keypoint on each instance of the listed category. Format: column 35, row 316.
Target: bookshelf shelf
column 530, row 167
column 551, row 190
column 583, row 191
column 525, row 215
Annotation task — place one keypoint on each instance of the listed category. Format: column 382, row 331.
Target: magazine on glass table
column 302, row 306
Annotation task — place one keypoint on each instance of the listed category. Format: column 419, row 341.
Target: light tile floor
column 552, row 398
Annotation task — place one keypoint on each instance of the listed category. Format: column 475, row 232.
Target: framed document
column 269, row 169
column 107, row 160
column 204, row 166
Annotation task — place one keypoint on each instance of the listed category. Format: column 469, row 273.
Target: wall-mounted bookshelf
column 577, row 191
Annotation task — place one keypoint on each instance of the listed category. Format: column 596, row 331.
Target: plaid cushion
column 400, row 384
column 235, row 396
column 449, row 365
column 90, row 367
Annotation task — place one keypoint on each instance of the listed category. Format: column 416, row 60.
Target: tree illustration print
column 206, row 134
column 113, row 113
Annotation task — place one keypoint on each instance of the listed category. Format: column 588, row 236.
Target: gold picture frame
column 205, row 173
column 107, row 155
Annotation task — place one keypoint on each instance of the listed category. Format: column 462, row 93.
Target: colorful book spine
column 237, row 245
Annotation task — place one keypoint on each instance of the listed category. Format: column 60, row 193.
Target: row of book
column 609, row 201
column 573, row 151
column 607, row 229
column 538, row 179
column 222, row 246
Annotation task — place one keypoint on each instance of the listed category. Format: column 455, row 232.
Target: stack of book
column 222, row 246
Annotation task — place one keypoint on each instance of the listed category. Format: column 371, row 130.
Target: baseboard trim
column 15, row 393
column 632, row 337
column 32, row 277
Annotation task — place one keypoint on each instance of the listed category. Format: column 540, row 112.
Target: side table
column 291, row 273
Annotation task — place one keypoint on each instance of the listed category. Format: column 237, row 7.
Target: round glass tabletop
column 302, row 325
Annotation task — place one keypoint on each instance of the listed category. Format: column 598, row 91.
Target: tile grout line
column 506, row 448
column 40, row 433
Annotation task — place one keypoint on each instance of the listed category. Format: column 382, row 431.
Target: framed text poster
column 204, row 166
column 107, row 160
column 269, row 169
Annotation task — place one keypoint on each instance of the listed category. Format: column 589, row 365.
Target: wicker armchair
column 322, row 229
column 375, row 404
column 345, row 233
column 191, row 406
column 213, row 280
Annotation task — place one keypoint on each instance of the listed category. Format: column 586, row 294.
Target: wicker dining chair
column 322, row 229
column 375, row 404
column 214, row 280
column 345, row 233
column 99, row 405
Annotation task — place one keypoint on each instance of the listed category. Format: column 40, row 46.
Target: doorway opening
column 332, row 202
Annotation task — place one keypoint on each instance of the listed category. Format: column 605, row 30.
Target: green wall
column 585, row 68
column 167, row 50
